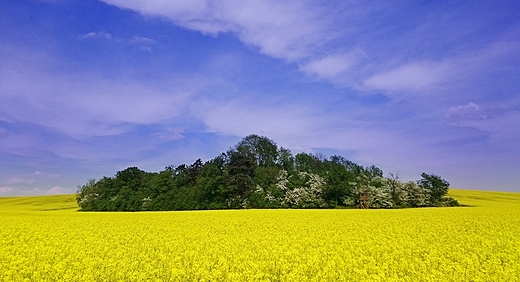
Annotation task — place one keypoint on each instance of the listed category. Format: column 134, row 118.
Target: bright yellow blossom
column 46, row 239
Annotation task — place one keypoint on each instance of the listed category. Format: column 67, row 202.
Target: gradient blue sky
column 88, row 88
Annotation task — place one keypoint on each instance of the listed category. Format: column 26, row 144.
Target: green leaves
column 436, row 186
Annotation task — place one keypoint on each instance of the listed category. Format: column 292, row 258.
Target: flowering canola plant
column 46, row 239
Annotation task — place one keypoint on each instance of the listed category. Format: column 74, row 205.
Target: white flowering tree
column 87, row 195
column 301, row 190
column 416, row 196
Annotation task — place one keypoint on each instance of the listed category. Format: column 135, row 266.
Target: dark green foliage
column 448, row 202
column 308, row 163
column 262, row 151
column 239, row 178
column 257, row 174
column 339, row 178
column 285, row 159
column 436, row 186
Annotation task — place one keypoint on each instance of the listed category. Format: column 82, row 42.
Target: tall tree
column 285, row 159
column 338, row 181
column 436, row 186
column 240, row 174
column 262, row 150
column 307, row 162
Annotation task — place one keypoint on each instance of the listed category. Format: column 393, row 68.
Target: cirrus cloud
column 412, row 77
column 282, row 29
column 97, row 34
column 57, row 190
column 474, row 112
column 6, row 190
column 20, row 180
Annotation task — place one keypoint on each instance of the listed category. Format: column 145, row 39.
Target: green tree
column 416, row 195
column 308, row 163
column 240, row 175
column 395, row 186
column 436, row 186
column 374, row 171
column 87, row 195
column 262, row 151
column 211, row 184
column 338, row 181
column 285, row 159
column 160, row 184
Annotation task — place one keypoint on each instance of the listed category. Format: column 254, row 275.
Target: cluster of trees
column 256, row 173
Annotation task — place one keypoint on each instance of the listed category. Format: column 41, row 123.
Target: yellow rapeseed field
column 46, row 239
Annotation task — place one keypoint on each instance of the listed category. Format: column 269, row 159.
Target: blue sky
column 88, row 88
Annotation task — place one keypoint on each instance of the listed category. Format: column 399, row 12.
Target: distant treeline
column 256, row 173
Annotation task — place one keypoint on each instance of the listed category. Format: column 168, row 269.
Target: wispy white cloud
column 329, row 67
column 170, row 134
column 98, row 107
column 6, row 190
column 19, row 180
column 43, row 174
column 474, row 112
column 143, row 40
column 471, row 111
column 282, row 29
column 97, row 34
column 57, row 190
column 242, row 117
column 412, row 77
column 131, row 102
column 498, row 122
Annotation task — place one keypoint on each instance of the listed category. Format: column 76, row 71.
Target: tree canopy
column 256, row 173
